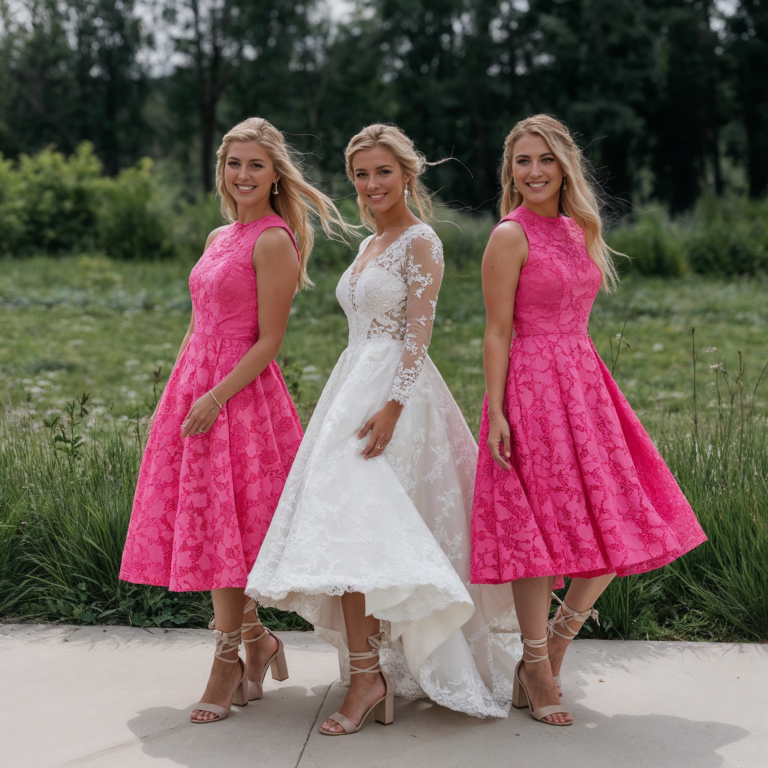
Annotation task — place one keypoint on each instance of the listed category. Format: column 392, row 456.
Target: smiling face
column 537, row 173
column 379, row 179
column 249, row 174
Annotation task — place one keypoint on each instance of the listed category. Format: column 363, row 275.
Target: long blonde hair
column 296, row 198
column 579, row 200
column 412, row 161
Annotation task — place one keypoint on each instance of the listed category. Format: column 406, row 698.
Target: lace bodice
column 559, row 282
column 395, row 297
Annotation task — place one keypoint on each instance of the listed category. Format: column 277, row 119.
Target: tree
column 72, row 74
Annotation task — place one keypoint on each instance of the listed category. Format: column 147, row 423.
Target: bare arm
column 277, row 270
column 504, row 257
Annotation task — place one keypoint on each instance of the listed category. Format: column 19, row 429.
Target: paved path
column 117, row 696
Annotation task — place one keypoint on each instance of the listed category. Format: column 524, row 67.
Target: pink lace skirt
column 203, row 504
column 588, row 493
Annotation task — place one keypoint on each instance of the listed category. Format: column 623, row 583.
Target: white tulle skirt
column 395, row 528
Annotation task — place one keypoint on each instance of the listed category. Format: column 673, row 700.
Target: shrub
column 130, row 222
column 57, row 205
column 652, row 245
column 728, row 237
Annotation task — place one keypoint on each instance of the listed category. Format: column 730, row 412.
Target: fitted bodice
column 223, row 282
column 559, row 281
column 394, row 297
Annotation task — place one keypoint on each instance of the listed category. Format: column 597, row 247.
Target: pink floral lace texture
column 203, row 504
column 588, row 493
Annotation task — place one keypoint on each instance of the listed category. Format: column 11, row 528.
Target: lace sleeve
column 423, row 275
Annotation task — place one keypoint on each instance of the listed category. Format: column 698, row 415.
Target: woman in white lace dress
column 370, row 540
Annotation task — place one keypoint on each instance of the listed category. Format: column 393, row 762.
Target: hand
column 200, row 417
column 498, row 438
column 381, row 426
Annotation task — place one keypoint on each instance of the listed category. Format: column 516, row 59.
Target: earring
column 514, row 188
column 565, row 183
column 274, row 190
column 407, row 192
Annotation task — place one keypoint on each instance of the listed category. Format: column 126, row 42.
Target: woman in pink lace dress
column 225, row 432
column 568, row 481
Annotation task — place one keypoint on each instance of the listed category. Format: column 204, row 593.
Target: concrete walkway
column 117, row 697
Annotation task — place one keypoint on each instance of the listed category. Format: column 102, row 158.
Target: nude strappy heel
column 276, row 661
column 520, row 697
column 561, row 620
column 226, row 642
column 385, row 706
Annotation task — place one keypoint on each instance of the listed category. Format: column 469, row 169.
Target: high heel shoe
column 561, row 620
column 225, row 643
column 385, row 706
column 520, row 697
column 276, row 661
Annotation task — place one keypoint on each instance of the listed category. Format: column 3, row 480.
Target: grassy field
column 89, row 324
column 86, row 324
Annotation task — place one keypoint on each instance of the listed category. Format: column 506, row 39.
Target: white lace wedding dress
column 396, row 527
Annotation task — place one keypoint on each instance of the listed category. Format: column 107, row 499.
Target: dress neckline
column 354, row 274
column 540, row 216
column 240, row 225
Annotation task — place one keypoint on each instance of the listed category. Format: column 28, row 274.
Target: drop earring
column 274, row 189
column 407, row 192
column 565, row 183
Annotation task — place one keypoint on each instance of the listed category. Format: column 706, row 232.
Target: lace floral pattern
column 203, row 504
column 588, row 493
column 395, row 528
column 397, row 300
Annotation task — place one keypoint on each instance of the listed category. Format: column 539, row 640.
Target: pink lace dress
column 588, row 493
column 203, row 504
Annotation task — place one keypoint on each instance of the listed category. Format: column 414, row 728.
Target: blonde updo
column 580, row 200
column 296, row 198
column 413, row 163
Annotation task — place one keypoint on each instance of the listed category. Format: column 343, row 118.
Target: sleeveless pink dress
column 203, row 504
column 588, row 493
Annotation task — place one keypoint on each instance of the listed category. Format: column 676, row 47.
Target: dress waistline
column 579, row 334
column 252, row 339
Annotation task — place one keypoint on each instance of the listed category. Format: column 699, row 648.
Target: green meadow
column 111, row 329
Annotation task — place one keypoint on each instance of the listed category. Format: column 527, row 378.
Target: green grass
column 88, row 324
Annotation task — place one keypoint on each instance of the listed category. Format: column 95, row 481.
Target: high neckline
column 248, row 223
column 549, row 219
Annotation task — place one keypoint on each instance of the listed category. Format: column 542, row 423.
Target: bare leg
column 532, row 599
column 228, row 614
column 256, row 654
column 365, row 688
column 582, row 595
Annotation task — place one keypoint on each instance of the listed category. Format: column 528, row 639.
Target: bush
column 728, row 237
column 130, row 222
column 57, row 205
column 652, row 245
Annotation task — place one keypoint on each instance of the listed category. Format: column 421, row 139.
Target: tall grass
column 718, row 590
column 63, row 519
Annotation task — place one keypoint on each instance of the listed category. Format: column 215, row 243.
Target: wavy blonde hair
column 413, row 163
column 296, row 198
column 580, row 201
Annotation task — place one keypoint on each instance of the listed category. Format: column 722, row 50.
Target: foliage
column 668, row 98
column 54, row 204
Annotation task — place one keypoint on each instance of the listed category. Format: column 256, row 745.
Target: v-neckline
column 354, row 274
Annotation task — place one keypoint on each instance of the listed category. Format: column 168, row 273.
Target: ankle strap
column 534, row 644
column 249, row 625
column 375, row 642
column 561, row 619
column 226, row 642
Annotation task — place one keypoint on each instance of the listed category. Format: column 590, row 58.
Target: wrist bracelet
column 210, row 392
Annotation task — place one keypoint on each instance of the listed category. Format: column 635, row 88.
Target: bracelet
column 210, row 392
